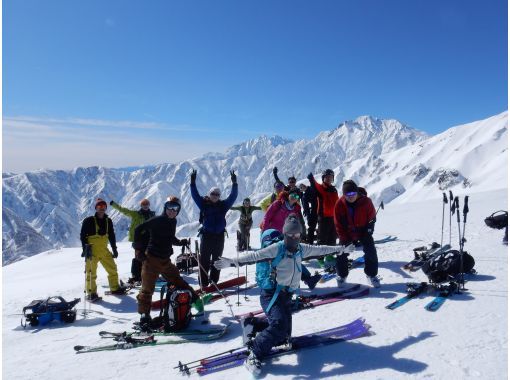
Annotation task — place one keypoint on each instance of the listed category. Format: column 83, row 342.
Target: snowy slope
column 392, row 160
column 465, row 339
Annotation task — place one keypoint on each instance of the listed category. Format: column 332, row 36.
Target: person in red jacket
column 355, row 221
column 327, row 197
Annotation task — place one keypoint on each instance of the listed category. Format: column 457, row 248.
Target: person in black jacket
column 96, row 232
column 310, row 204
column 156, row 258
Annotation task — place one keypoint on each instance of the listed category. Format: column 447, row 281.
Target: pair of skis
column 307, row 302
column 330, row 273
column 236, row 357
column 128, row 340
column 423, row 254
column 414, row 290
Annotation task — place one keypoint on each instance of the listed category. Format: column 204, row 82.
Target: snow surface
column 467, row 338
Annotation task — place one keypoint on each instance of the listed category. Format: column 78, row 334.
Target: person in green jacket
column 267, row 201
column 245, row 223
column 137, row 217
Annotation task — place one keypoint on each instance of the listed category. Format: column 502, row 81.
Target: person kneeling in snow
column 156, row 259
column 275, row 298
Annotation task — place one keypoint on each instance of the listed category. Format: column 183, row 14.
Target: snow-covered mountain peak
column 391, row 160
column 256, row 146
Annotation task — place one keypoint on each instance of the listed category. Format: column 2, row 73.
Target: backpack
column 265, row 274
column 185, row 262
column 444, row 266
column 175, row 315
column 497, row 221
column 52, row 309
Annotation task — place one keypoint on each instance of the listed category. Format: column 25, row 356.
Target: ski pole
column 381, row 206
column 456, row 205
column 232, row 350
column 445, row 202
column 238, row 302
column 214, row 284
column 451, row 213
column 464, row 211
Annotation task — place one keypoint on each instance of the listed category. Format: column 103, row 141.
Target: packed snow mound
column 394, row 162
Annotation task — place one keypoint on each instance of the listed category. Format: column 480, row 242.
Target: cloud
column 31, row 143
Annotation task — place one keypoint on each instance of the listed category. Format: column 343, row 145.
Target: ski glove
column 370, row 227
column 225, row 263
column 111, row 203
column 310, row 177
column 87, row 251
column 275, row 170
column 115, row 254
column 185, row 242
column 233, row 176
column 193, row 176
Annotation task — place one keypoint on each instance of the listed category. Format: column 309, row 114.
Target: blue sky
column 120, row 83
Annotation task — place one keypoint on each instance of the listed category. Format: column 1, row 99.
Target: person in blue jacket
column 212, row 234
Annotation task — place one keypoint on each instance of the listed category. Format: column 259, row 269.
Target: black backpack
column 445, row 266
column 499, row 221
column 185, row 262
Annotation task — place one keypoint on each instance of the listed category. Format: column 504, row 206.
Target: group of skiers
column 349, row 218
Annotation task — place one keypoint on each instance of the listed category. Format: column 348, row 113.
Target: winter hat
column 215, row 190
column 292, row 225
column 246, row 200
column 278, row 185
column 349, row 186
column 99, row 202
column 327, row 172
column 145, row 201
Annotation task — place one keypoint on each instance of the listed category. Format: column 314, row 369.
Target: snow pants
column 211, row 249
column 100, row 254
column 312, row 226
column 243, row 238
column 279, row 318
column 152, row 267
column 371, row 260
column 327, row 231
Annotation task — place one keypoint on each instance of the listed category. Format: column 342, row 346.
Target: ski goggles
column 297, row 235
column 351, row 193
column 173, row 208
column 294, row 196
column 214, row 194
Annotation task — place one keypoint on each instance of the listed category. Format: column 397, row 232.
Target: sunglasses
column 173, row 208
column 351, row 193
column 294, row 236
column 294, row 196
column 214, row 194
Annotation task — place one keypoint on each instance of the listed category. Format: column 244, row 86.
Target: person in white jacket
column 277, row 288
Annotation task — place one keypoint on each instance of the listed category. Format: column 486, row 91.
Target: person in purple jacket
column 212, row 234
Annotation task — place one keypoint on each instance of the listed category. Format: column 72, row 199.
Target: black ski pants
column 327, row 231
column 312, row 226
column 211, row 249
column 371, row 261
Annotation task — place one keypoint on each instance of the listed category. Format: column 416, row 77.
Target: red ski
column 209, row 289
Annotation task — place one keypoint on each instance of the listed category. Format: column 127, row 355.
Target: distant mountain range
column 43, row 209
